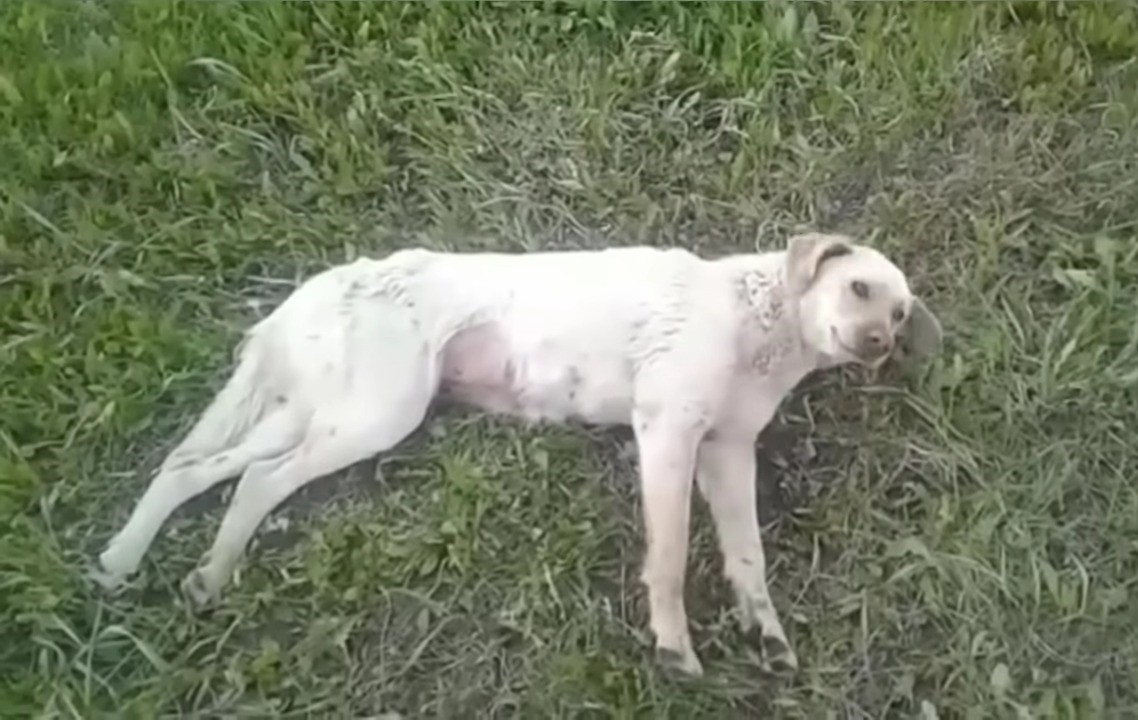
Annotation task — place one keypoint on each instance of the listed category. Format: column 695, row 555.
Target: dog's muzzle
column 874, row 346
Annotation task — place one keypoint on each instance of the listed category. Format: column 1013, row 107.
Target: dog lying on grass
column 694, row 354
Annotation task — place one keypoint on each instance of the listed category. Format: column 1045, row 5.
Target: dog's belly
column 553, row 381
column 477, row 369
column 577, row 387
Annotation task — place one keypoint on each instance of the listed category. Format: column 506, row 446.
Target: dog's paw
column 777, row 656
column 113, row 567
column 108, row 581
column 199, row 589
column 681, row 664
column 111, row 570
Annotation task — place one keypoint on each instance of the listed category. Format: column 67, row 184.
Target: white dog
column 694, row 354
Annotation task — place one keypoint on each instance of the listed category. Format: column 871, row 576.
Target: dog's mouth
column 837, row 338
column 870, row 359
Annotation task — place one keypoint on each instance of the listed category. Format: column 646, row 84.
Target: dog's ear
column 921, row 336
column 806, row 253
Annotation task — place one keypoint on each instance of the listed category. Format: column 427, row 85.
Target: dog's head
column 855, row 304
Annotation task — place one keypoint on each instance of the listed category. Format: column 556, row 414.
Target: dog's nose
column 878, row 343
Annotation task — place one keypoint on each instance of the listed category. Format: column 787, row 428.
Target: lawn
column 961, row 542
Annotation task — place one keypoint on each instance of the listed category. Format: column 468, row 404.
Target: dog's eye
column 898, row 314
column 860, row 289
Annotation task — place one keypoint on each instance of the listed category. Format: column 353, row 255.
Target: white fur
column 695, row 354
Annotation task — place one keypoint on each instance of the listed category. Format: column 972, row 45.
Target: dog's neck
column 770, row 334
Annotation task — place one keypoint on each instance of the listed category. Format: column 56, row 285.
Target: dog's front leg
column 726, row 474
column 667, row 447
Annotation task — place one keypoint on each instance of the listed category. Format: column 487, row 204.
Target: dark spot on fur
column 180, row 464
column 835, row 250
column 281, row 399
column 574, row 380
column 747, row 561
column 332, row 432
column 221, row 459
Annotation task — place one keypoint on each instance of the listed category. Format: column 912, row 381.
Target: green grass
column 966, row 540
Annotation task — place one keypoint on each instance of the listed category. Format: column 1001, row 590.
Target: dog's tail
column 239, row 405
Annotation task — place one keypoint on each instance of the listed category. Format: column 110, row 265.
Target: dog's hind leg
column 236, row 428
column 177, row 482
column 387, row 398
